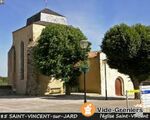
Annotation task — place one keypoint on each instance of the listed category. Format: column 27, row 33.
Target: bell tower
column 47, row 16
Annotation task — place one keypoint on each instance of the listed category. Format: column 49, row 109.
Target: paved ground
column 56, row 103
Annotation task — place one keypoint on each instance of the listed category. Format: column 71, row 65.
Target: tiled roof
column 37, row 16
column 92, row 54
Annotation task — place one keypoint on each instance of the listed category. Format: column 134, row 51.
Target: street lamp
column 105, row 63
column 84, row 44
column 84, row 68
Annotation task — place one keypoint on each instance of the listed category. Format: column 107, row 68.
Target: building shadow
column 79, row 97
column 63, row 97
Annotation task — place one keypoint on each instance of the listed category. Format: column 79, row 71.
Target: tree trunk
column 136, row 85
column 68, row 89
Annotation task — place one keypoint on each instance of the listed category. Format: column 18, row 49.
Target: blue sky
column 93, row 17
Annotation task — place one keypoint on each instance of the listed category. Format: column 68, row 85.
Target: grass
column 3, row 81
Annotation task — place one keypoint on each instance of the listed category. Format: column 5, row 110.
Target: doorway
column 118, row 87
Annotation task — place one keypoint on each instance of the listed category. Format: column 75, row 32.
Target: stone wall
column 111, row 76
column 23, row 35
column 93, row 82
column 50, row 85
column 11, row 66
column 53, row 19
column 38, row 84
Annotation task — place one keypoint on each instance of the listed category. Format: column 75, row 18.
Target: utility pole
column 105, row 71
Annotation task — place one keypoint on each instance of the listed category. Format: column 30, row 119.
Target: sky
column 93, row 17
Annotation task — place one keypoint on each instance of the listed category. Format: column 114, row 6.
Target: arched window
column 119, row 87
column 22, row 61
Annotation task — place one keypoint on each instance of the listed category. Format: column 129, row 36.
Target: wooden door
column 118, row 87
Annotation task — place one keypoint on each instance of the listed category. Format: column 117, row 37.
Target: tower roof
column 37, row 17
column 48, row 11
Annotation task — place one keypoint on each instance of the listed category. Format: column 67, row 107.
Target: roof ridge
column 49, row 11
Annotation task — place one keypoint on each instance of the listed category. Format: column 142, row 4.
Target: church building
column 25, row 79
column 21, row 73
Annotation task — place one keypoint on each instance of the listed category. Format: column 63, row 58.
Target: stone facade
column 20, row 36
column 112, row 75
column 11, row 64
column 53, row 18
column 93, row 81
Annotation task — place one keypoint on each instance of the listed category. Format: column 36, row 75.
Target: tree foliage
column 143, row 56
column 3, row 80
column 128, row 50
column 58, row 52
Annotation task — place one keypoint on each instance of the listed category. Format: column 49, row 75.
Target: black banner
column 73, row 116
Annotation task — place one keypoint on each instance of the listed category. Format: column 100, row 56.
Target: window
column 22, row 61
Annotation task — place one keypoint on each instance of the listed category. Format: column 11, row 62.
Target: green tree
column 128, row 50
column 58, row 52
column 3, row 80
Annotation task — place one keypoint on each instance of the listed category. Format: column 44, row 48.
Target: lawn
column 3, row 81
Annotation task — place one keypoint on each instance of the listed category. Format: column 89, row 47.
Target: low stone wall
column 6, row 90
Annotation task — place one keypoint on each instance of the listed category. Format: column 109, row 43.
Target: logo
column 87, row 109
